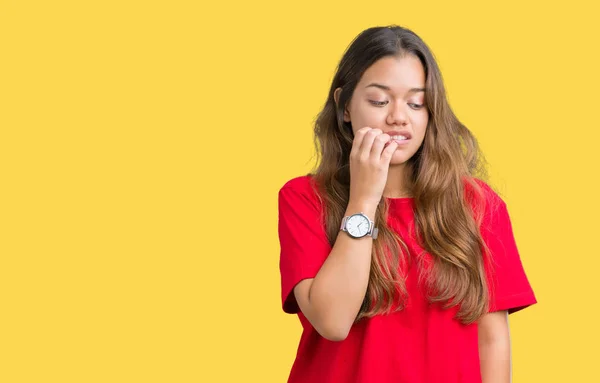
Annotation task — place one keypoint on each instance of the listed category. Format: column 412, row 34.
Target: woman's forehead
column 393, row 74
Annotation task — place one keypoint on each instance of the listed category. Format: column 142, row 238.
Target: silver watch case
column 351, row 225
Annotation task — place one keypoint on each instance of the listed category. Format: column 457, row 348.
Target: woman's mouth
column 400, row 140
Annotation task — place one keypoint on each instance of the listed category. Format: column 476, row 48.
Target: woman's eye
column 416, row 106
column 378, row 103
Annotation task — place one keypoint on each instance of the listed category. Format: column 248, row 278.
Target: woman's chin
column 399, row 157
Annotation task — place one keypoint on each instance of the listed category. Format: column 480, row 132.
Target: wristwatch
column 358, row 226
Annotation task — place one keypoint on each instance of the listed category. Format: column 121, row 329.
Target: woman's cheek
column 423, row 119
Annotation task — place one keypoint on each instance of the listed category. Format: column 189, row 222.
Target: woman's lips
column 399, row 142
column 402, row 142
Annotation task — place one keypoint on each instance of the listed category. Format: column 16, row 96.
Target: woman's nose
column 397, row 115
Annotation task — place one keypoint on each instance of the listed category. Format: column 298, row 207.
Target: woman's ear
column 336, row 97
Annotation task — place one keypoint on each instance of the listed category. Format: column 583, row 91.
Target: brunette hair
column 442, row 176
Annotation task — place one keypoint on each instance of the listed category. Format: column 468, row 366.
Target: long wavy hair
column 442, row 176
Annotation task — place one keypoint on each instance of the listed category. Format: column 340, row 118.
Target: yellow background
column 143, row 144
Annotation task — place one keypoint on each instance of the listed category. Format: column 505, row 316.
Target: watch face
column 358, row 225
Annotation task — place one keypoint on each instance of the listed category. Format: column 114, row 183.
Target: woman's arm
column 494, row 348
column 332, row 299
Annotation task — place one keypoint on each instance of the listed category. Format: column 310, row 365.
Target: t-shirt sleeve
column 303, row 241
column 508, row 284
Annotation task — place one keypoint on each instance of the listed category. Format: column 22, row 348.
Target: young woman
column 398, row 258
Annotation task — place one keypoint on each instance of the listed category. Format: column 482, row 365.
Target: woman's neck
column 397, row 185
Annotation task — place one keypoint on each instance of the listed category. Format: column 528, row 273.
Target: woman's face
column 390, row 96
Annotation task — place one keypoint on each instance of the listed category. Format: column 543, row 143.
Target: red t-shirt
column 420, row 344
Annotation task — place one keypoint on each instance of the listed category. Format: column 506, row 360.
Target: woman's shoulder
column 299, row 183
column 304, row 184
column 485, row 187
column 483, row 196
column 300, row 194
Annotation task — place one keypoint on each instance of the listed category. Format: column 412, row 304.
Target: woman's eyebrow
column 385, row 87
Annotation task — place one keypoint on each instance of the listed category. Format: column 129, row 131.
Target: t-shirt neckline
column 399, row 199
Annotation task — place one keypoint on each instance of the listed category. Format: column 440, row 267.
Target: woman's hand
column 369, row 164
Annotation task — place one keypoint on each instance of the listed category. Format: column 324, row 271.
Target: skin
column 400, row 106
column 494, row 348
